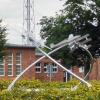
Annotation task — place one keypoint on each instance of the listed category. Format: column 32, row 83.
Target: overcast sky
column 11, row 11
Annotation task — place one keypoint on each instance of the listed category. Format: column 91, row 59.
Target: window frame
column 10, row 63
column 45, row 67
column 38, row 67
column 18, row 63
column 81, row 69
column 2, row 64
column 54, row 66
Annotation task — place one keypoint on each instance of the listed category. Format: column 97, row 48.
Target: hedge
column 37, row 90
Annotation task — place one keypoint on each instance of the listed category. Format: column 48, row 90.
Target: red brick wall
column 28, row 56
column 44, row 76
column 75, row 70
column 98, row 69
column 95, row 73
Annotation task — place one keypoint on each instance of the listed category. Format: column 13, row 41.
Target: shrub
column 37, row 90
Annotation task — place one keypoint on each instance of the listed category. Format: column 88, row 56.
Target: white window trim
column 12, row 65
column 20, row 70
column 81, row 69
column 52, row 68
column 56, row 68
column 38, row 67
column 46, row 68
column 20, row 63
column 3, row 68
column 20, row 60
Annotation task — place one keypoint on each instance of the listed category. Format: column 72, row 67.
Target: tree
column 85, row 17
column 2, row 39
column 79, row 17
column 55, row 30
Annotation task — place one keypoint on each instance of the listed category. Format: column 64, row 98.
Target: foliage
column 55, row 30
column 85, row 17
column 2, row 39
column 36, row 90
column 79, row 17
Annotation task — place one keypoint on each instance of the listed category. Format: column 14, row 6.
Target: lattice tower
column 28, row 21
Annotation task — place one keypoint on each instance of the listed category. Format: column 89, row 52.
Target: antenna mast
column 28, row 20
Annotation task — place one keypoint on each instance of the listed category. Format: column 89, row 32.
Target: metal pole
column 50, row 72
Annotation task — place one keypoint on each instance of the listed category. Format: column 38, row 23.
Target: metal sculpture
column 73, row 42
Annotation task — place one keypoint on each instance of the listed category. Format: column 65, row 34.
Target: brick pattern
column 28, row 56
column 75, row 70
column 95, row 73
column 45, row 77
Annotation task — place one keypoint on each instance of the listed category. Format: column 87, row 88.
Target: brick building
column 94, row 74
column 20, row 57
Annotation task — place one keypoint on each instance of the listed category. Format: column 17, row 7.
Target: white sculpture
column 71, row 41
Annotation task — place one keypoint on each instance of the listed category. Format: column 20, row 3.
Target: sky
column 11, row 11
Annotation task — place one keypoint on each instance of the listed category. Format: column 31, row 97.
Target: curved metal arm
column 14, row 81
column 47, row 55
column 91, row 57
column 91, row 65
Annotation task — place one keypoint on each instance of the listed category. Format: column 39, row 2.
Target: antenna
column 28, row 20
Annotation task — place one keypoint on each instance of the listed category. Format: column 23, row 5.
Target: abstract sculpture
column 73, row 42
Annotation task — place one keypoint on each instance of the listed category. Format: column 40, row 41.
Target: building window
column 18, row 69
column 38, row 67
column 1, row 67
column 10, row 64
column 53, row 68
column 18, row 63
column 45, row 67
column 81, row 69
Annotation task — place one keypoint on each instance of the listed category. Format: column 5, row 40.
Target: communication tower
column 28, row 21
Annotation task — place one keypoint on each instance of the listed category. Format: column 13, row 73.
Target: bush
column 36, row 90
